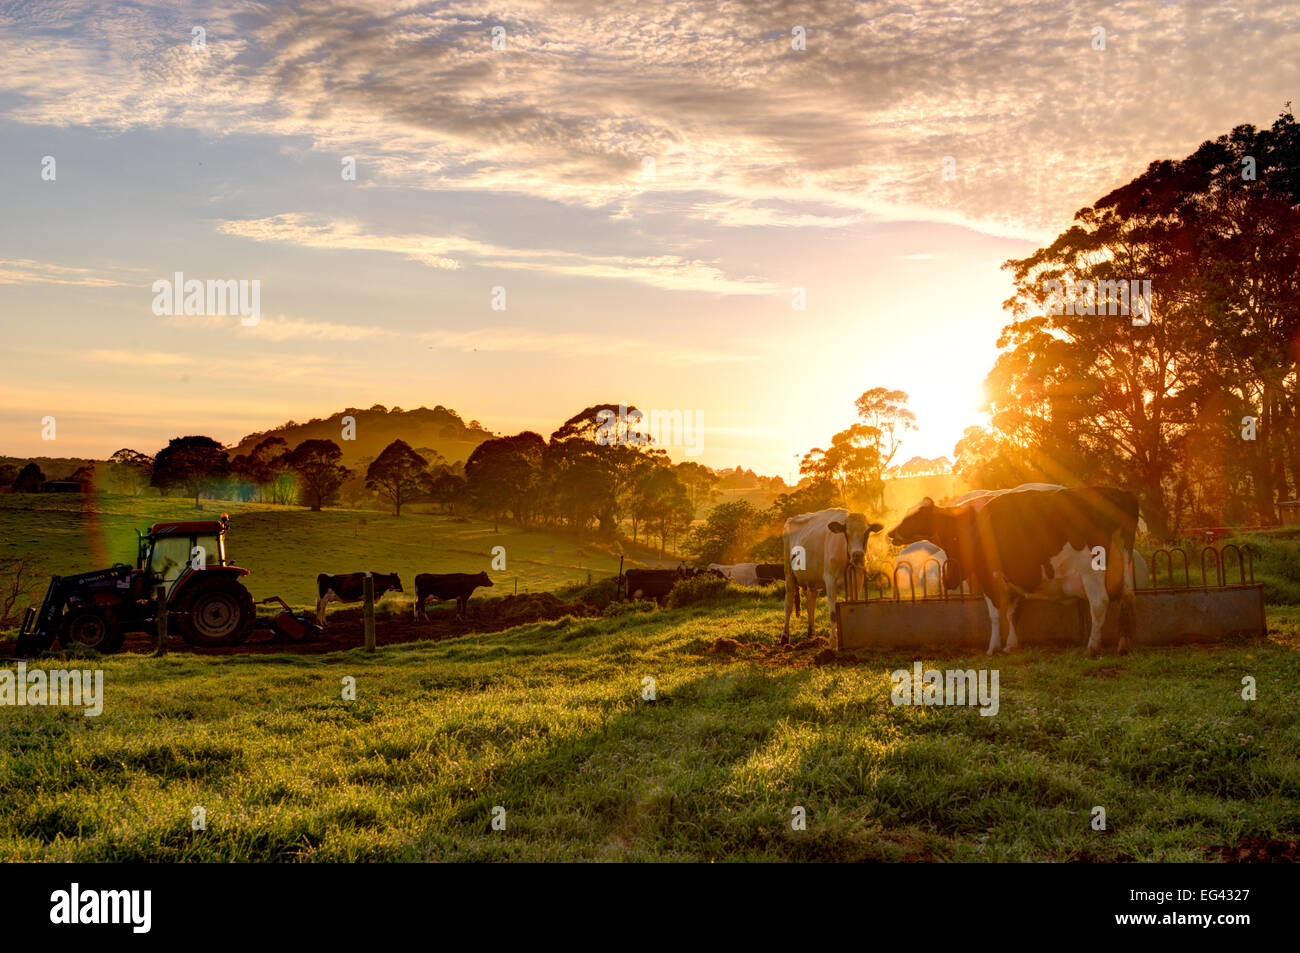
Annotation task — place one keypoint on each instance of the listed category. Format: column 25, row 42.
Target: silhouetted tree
column 320, row 473
column 399, row 473
column 193, row 463
column 30, row 479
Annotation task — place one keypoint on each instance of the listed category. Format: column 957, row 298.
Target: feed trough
column 1174, row 610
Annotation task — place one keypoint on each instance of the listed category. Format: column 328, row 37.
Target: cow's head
column 917, row 524
column 395, row 583
column 856, row 531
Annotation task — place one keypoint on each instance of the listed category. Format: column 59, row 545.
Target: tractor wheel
column 219, row 613
column 93, row 628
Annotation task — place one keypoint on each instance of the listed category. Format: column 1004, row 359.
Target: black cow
column 770, row 572
column 653, row 583
column 350, row 587
column 448, row 585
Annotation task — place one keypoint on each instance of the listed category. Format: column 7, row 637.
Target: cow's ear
column 835, row 527
column 875, row 528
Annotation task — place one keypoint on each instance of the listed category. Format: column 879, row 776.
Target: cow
column 818, row 547
column 770, row 572
column 449, row 585
column 652, row 583
column 350, row 587
column 742, row 574
column 1037, row 544
column 923, row 575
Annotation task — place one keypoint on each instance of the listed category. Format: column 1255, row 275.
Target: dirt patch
column 345, row 629
column 724, row 647
column 825, row 657
column 1260, row 850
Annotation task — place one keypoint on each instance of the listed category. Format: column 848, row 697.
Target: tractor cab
column 170, row 551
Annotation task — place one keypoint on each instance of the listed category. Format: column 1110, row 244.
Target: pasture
column 548, row 721
column 285, row 547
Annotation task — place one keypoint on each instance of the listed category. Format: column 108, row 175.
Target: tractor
column 206, row 602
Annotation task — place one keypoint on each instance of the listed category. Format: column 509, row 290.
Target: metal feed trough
column 1172, row 614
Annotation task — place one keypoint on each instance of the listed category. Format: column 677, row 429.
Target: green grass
column 547, row 721
column 285, row 547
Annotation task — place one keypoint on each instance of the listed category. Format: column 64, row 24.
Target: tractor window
column 214, row 549
column 170, row 557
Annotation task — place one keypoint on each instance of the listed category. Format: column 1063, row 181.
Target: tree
column 268, row 467
column 604, row 444
column 447, row 489
column 30, row 479
column 700, row 482
column 886, row 415
column 1088, row 393
column 398, row 473
column 320, row 474
column 501, row 476
column 193, row 463
column 128, row 472
column 726, row 534
column 852, row 463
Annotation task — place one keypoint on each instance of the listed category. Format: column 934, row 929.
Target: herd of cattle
column 1035, row 541
column 350, row 587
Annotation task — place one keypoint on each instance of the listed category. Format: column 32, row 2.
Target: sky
column 606, row 201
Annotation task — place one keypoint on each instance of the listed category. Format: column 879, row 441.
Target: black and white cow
column 448, row 585
column 1062, row 543
column 350, row 587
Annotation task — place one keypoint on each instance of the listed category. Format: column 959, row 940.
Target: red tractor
column 207, row 604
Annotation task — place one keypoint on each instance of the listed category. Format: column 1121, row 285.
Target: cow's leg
column 320, row 610
column 1094, row 586
column 995, row 624
column 1127, row 607
column 832, row 590
column 791, row 594
column 812, row 611
column 1013, row 641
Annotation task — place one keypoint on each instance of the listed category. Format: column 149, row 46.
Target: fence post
column 368, row 587
column 160, row 615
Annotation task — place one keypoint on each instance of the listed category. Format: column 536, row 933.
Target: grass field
column 547, row 721
column 285, row 547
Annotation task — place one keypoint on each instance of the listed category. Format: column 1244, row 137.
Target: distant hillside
column 54, row 468
column 438, row 429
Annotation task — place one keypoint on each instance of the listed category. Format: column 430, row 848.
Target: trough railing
column 890, row 587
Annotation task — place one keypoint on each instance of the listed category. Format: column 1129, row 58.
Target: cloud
column 22, row 271
column 1037, row 121
column 670, row 272
column 671, row 350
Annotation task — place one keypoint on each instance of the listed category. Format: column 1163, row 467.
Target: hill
column 438, row 429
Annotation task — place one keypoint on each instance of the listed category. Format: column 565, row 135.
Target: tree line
column 1190, row 395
